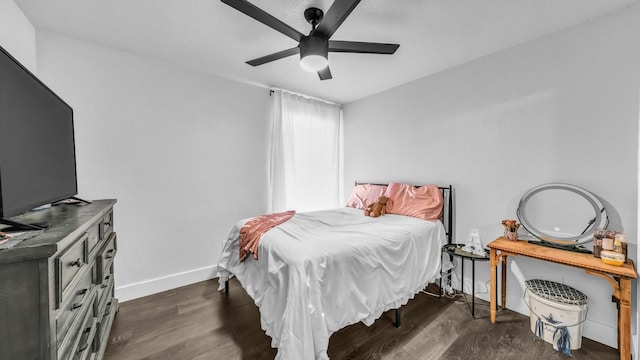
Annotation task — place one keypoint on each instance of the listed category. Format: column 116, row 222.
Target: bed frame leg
column 226, row 286
column 398, row 317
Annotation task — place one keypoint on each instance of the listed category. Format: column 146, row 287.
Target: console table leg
column 622, row 292
column 503, row 285
column 494, row 279
column 624, row 319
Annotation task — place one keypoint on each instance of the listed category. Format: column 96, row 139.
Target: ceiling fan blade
column 362, row 47
column 275, row 56
column 258, row 14
column 325, row 74
column 334, row 17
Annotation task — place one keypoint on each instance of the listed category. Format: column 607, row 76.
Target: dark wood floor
column 198, row 322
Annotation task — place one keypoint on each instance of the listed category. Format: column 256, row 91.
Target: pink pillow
column 365, row 194
column 424, row 202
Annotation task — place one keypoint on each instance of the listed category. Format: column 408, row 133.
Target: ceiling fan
column 313, row 48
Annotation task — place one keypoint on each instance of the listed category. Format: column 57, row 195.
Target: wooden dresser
column 56, row 288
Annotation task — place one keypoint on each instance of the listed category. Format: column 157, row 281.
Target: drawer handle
column 109, row 254
column 84, row 346
column 108, row 223
column 107, row 309
column 77, row 263
column 78, row 304
column 105, row 282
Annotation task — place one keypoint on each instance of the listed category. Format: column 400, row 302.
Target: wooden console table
column 618, row 276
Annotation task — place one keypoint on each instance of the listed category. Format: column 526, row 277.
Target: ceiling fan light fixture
column 314, row 63
column 314, row 53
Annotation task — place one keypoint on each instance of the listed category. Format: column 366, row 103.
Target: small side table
column 456, row 250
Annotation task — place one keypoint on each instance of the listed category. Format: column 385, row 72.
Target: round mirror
column 561, row 214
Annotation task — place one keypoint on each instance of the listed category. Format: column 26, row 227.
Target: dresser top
column 67, row 222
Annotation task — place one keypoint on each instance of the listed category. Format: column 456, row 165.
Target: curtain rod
column 271, row 91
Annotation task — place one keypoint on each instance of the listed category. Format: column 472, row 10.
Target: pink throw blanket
column 253, row 230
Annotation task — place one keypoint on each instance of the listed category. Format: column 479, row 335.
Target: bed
column 321, row 271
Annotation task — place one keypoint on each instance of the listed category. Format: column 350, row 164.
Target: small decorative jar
column 511, row 235
column 607, row 241
column 620, row 243
column 598, row 235
column 510, row 229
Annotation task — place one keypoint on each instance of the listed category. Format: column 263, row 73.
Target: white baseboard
column 601, row 333
column 154, row 286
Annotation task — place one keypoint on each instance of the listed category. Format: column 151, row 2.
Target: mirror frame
column 600, row 221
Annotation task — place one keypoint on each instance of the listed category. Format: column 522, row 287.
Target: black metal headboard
column 447, row 211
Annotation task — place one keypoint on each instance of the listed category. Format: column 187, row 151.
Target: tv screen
column 37, row 150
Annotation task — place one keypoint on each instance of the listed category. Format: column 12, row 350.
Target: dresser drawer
column 106, row 310
column 76, row 343
column 104, row 327
column 75, row 304
column 69, row 265
column 107, row 224
column 87, row 334
column 105, row 256
column 105, row 291
column 94, row 236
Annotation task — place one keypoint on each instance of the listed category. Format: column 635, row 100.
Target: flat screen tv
column 37, row 149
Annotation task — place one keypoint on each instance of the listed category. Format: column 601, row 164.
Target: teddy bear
column 377, row 208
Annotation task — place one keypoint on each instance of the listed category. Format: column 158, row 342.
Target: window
column 305, row 160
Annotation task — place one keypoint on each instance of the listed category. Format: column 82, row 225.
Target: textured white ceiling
column 212, row 37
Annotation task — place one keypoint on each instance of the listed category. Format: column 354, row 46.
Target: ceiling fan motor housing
column 312, row 49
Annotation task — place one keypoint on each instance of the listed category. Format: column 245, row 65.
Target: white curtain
column 305, row 160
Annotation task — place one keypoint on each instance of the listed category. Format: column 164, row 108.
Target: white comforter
column 321, row 271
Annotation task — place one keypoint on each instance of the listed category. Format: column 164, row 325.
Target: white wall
column 183, row 152
column 563, row 108
column 185, row 155
column 17, row 35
